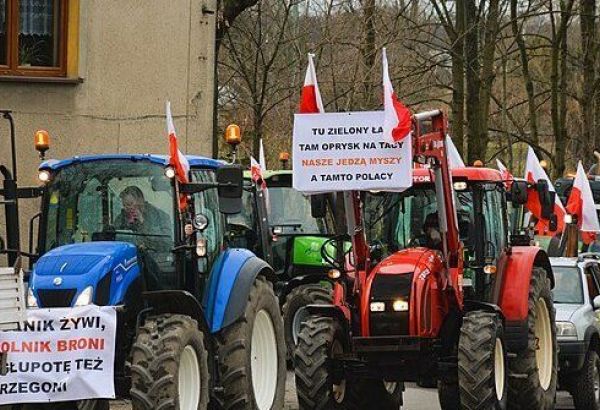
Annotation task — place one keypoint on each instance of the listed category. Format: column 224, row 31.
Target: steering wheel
column 334, row 243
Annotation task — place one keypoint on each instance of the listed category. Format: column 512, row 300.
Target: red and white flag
column 581, row 203
column 176, row 158
column 533, row 173
column 506, row 175
column 454, row 158
column 397, row 121
column 310, row 99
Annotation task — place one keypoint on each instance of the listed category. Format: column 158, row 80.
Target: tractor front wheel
column 533, row 372
column 295, row 313
column 252, row 354
column 169, row 365
column 482, row 375
column 318, row 388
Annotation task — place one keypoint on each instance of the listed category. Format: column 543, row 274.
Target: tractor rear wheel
column 482, row 375
column 533, row 372
column 295, row 313
column 252, row 354
column 169, row 365
column 322, row 339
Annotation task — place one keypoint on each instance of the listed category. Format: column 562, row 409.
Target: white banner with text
column 346, row 151
column 60, row 354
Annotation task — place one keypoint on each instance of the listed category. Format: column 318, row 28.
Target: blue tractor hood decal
column 77, row 266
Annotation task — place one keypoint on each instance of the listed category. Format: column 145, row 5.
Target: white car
column 577, row 303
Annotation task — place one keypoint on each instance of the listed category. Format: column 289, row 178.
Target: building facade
column 96, row 75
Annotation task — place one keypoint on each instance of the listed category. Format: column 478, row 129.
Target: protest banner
column 346, row 151
column 60, row 355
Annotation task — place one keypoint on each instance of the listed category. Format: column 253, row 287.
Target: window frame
column 12, row 50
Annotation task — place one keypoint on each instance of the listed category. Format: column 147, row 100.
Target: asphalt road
column 415, row 398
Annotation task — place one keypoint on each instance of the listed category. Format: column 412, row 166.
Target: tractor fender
column 514, row 295
column 311, row 278
column 230, row 282
column 514, row 292
column 173, row 302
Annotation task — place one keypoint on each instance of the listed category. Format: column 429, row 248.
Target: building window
column 33, row 37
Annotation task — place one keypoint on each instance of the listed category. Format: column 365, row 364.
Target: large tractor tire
column 321, row 339
column 482, row 376
column 252, row 354
column 533, row 371
column 169, row 367
column 295, row 313
column 585, row 387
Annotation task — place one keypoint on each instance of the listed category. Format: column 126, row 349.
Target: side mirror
column 547, row 199
column 318, row 206
column 596, row 302
column 230, row 179
column 518, row 192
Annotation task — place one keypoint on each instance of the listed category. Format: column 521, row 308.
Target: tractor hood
column 412, row 260
column 75, row 267
column 565, row 311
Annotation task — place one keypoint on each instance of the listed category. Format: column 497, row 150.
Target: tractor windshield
column 397, row 220
column 112, row 200
column 409, row 219
column 290, row 210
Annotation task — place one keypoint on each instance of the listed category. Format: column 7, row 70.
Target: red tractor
column 425, row 300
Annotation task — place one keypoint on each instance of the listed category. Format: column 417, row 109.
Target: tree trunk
column 558, row 79
column 529, row 86
column 458, row 78
column 473, row 82
column 368, row 53
column 488, row 73
column 588, row 49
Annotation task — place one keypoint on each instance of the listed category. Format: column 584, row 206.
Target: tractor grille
column 387, row 289
column 56, row 297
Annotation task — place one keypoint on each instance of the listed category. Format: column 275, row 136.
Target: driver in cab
column 139, row 216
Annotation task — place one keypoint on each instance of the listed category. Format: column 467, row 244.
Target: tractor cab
column 105, row 217
column 398, row 221
column 293, row 236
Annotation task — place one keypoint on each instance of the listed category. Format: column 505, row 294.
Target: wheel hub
column 264, row 360
column 189, row 379
column 544, row 345
column 597, row 384
column 299, row 317
column 499, row 375
column 338, row 389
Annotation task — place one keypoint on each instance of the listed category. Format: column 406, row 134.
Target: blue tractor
column 198, row 320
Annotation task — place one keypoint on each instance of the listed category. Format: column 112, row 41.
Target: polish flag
column 176, row 158
column 310, row 99
column 397, row 121
column 258, row 168
column 454, row 159
column 533, row 173
column 581, row 204
column 506, row 175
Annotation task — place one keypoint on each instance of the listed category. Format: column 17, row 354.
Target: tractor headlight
column 377, row 306
column 400, row 305
column 44, row 176
column 31, row 299
column 566, row 330
column 85, row 297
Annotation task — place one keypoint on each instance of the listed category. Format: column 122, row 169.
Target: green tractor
column 290, row 240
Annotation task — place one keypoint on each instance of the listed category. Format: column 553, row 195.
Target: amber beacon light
column 42, row 142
